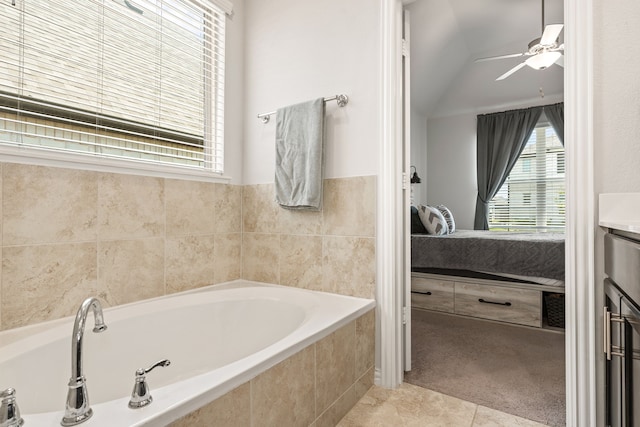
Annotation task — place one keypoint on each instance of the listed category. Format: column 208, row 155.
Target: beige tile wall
column 315, row 387
column 69, row 234
column 332, row 250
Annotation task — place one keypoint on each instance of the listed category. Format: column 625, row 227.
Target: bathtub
column 216, row 338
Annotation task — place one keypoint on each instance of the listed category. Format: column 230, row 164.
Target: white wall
column 451, row 168
column 234, row 93
column 299, row 50
column 419, row 155
column 617, row 96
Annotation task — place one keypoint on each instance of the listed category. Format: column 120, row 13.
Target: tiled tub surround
column 68, row 234
column 332, row 250
column 305, row 356
column 315, row 387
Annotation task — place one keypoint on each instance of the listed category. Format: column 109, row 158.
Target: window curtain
column 501, row 137
column 555, row 114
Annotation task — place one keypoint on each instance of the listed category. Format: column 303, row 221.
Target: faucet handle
column 141, row 396
column 9, row 412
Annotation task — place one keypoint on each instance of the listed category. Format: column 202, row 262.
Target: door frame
column 580, row 228
column 406, row 186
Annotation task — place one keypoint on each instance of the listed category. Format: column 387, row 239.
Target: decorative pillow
column 448, row 216
column 416, row 223
column 433, row 220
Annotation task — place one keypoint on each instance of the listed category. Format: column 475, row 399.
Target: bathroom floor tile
column 487, row 417
column 410, row 406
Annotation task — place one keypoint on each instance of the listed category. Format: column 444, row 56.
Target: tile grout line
column 315, row 382
column 475, row 412
column 99, row 183
column 164, row 237
column 250, row 408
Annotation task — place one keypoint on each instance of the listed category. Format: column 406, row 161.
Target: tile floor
column 410, row 405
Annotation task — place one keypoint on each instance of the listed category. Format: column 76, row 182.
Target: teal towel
column 299, row 155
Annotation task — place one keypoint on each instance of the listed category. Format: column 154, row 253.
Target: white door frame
column 579, row 283
column 406, row 186
column 579, row 258
column 390, row 232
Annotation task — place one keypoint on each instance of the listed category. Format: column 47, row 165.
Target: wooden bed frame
column 504, row 301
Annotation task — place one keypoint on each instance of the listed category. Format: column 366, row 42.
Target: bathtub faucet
column 78, row 409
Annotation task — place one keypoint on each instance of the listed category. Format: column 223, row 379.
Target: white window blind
column 533, row 196
column 136, row 79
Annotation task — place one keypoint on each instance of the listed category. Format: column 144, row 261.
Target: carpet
column 513, row 369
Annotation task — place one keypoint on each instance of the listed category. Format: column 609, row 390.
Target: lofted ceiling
column 448, row 35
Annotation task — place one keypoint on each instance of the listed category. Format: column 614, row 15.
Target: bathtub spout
column 77, row 408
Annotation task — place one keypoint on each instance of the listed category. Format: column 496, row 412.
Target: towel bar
column 342, row 100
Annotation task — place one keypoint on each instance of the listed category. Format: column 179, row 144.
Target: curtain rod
column 341, row 99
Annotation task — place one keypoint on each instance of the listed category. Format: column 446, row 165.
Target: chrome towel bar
column 342, row 100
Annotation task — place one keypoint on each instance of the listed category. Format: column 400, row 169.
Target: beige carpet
column 516, row 370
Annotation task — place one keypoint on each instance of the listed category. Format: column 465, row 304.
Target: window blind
column 141, row 80
column 533, row 196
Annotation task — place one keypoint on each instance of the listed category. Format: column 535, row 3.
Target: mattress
column 532, row 257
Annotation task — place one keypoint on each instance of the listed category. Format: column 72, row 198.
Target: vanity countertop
column 620, row 211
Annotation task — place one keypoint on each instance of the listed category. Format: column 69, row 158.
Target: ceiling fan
column 542, row 52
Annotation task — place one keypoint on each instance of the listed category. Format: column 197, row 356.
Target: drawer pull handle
column 507, row 304
column 421, row 293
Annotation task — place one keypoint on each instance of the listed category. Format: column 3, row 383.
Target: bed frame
column 523, row 254
column 504, row 301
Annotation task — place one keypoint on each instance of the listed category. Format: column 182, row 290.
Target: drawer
column 513, row 305
column 432, row 294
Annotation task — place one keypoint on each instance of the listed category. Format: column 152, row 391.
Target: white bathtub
column 216, row 338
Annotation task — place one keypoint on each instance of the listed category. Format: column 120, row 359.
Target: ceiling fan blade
column 511, row 71
column 551, row 33
column 491, row 58
column 560, row 61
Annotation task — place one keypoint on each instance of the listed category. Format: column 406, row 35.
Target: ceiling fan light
column 542, row 60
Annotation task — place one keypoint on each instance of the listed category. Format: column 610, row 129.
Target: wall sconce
column 415, row 179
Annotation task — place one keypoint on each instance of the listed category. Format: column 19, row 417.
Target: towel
column 299, row 155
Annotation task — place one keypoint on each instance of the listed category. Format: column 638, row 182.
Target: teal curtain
column 501, row 137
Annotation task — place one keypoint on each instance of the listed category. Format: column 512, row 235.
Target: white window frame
column 537, row 203
column 35, row 156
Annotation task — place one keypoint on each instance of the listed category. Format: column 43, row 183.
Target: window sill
column 43, row 157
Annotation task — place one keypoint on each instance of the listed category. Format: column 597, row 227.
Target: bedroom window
column 533, row 196
column 139, row 80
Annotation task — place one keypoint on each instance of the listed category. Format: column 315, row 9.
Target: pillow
column 433, row 220
column 448, row 216
column 416, row 223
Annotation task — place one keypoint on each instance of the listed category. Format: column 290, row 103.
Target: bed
column 511, row 256
column 501, row 276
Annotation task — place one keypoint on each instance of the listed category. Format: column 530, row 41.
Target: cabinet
column 512, row 305
column 494, row 302
column 622, row 331
column 622, row 350
column 432, row 294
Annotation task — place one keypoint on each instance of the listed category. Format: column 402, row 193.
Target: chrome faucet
column 141, row 396
column 9, row 412
column 78, row 409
